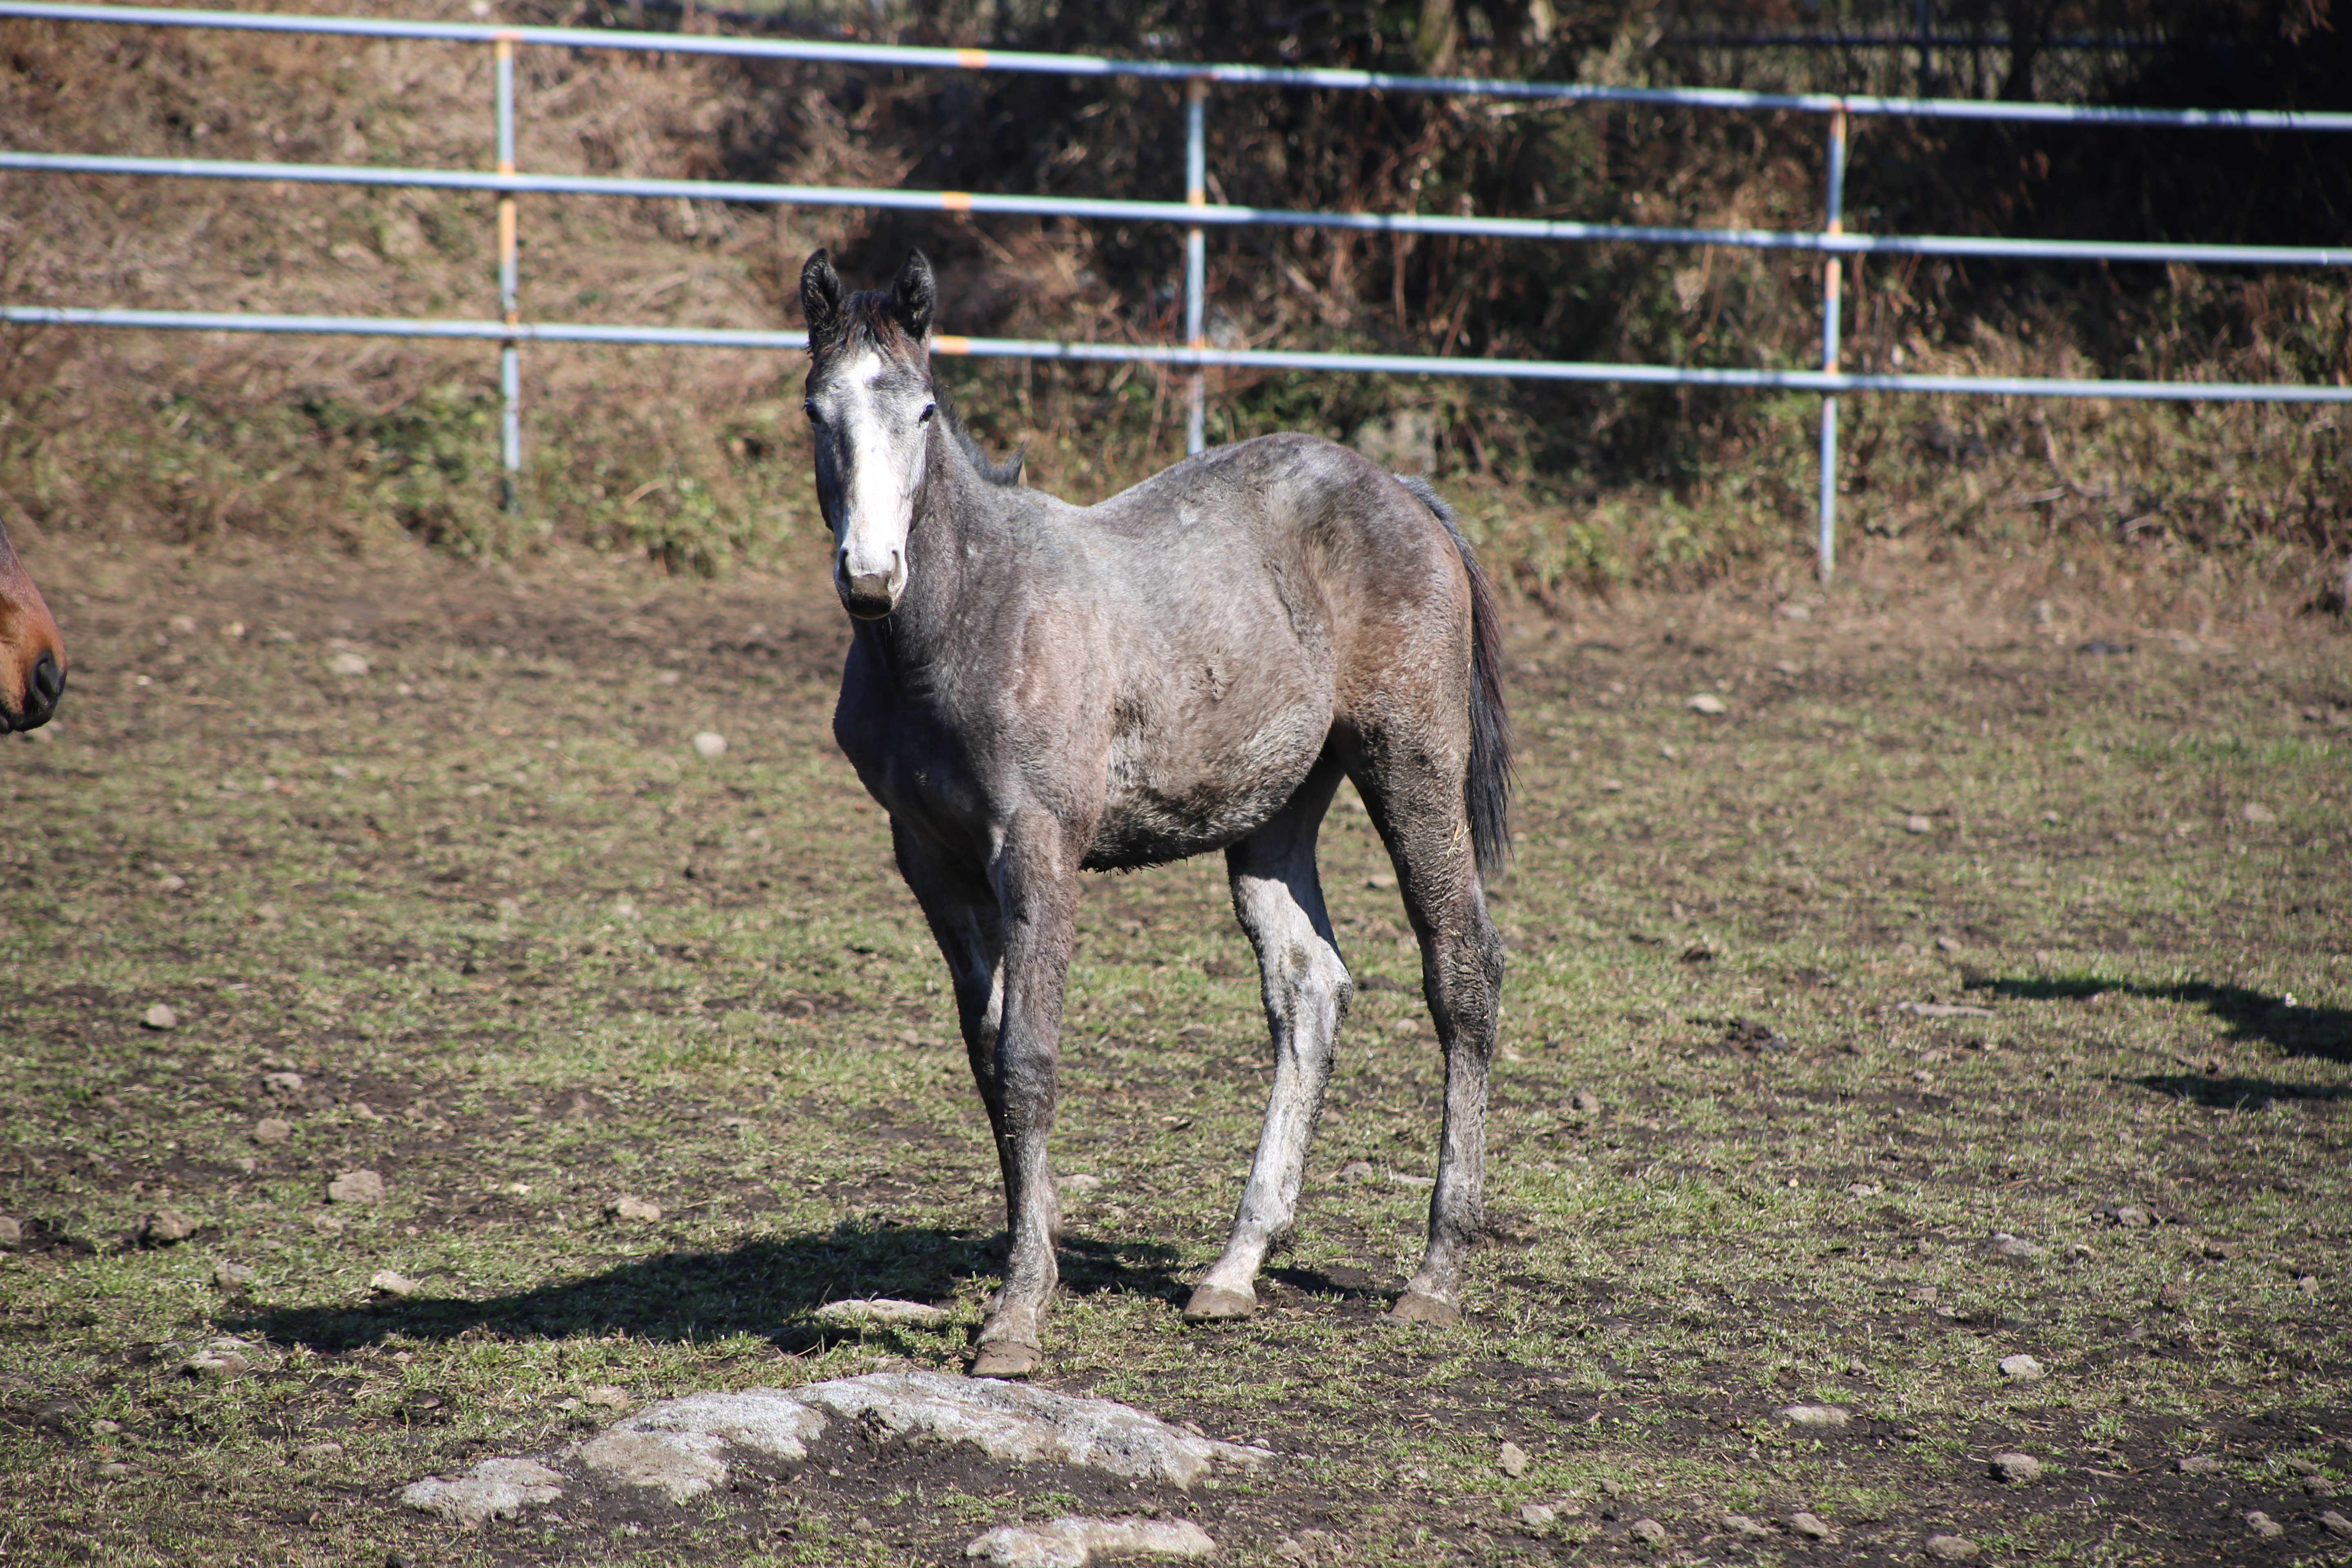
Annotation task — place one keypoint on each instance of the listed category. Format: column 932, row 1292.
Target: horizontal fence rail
column 1196, row 213
column 953, row 346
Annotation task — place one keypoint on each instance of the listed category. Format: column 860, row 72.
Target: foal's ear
column 821, row 299
column 916, row 296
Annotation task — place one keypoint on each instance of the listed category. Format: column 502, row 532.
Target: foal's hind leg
column 1307, row 991
column 1424, row 820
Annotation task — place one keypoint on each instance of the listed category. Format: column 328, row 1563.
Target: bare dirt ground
column 424, row 864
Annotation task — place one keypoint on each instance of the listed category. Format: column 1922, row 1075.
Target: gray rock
column 272, row 1129
column 1740, row 1524
column 495, row 1488
column 883, row 1312
column 2004, row 1245
column 1648, row 1532
column 1584, row 1102
column 682, row 1464
column 2131, row 1217
column 2263, row 1525
column 1022, row 1425
column 284, row 1083
column 1707, row 702
column 2336, row 1524
column 2022, row 1368
column 2018, row 1470
column 636, row 1211
column 224, row 1359
column 356, row 1187
column 390, row 1283
column 164, row 1227
column 1081, row 1183
column 1537, row 1517
column 2199, row 1465
column 231, row 1276
column 1817, row 1416
column 160, row 1016
column 2318, row 1486
column 1951, row 1549
column 1810, row 1527
column 1512, row 1460
column 12, row 1231
column 2300, row 1466
column 1358, row 1171
column 1074, row 1542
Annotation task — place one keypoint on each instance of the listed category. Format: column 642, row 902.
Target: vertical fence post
column 510, row 305
column 1196, row 257
column 1833, row 272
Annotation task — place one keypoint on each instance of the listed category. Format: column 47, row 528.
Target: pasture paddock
column 487, row 890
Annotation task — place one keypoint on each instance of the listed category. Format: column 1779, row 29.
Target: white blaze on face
column 885, row 466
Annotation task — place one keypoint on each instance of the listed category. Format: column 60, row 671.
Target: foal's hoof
column 1216, row 1304
column 1412, row 1307
column 1006, row 1358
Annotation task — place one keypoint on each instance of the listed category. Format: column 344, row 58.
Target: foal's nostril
column 48, row 679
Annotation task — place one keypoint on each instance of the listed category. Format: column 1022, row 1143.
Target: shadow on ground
column 2323, row 1034
column 765, row 1288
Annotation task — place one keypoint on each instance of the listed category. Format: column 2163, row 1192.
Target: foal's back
column 1265, row 602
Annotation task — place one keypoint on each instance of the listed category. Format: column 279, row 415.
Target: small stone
column 2223, row 1251
column 2253, row 812
column 232, row 1276
column 2004, row 1245
column 1537, row 1517
column 272, row 1129
column 165, row 1227
column 12, row 1231
column 2022, row 1368
column 1611, row 1487
column 326, row 1223
column 1380, row 881
column 497, row 1489
column 1707, row 702
column 883, row 1312
column 1357, row 1171
column 320, row 1452
column 2300, row 1466
column 1948, row 944
column 2131, row 1217
column 1864, row 1190
column 2318, row 1486
column 284, row 1083
column 160, row 1016
column 390, row 1283
column 1817, row 1416
column 1794, row 610
column 364, row 1111
column 1740, row 1524
column 169, row 883
column 1584, row 1102
column 220, row 1359
column 1081, row 1183
column 356, row 1187
column 2199, row 1465
column 2262, row 1525
column 1810, row 1527
column 637, row 1211
column 1951, row 1549
column 1074, row 1542
column 1512, row 1460
column 709, row 744
column 2336, row 1524
column 1648, row 1532
column 604, row 1397
column 347, row 664
column 1917, row 823
column 2017, row 1469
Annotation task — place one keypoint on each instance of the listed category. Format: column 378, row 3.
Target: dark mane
column 871, row 320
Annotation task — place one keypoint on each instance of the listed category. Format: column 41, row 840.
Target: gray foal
column 1035, row 688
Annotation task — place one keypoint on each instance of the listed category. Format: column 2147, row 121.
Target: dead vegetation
column 693, row 456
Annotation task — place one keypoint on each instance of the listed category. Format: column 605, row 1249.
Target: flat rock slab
column 685, row 1447
column 495, row 1488
column 883, row 1312
column 1074, row 1542
column 1021, row 1424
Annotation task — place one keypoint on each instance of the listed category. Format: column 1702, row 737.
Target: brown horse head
column 32, row 655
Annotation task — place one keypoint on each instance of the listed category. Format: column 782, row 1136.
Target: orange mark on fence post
column 972, row 60
column 956, row 201
column 948, row 344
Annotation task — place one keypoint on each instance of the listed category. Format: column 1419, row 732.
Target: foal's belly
column 1165, row 802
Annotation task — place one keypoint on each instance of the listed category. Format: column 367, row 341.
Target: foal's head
column 32, row 655
column 871, row 403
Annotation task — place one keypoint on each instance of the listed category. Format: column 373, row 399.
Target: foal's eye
column 925, row 417
column 813, row 417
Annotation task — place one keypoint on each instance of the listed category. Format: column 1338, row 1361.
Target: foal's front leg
column 1035, row 878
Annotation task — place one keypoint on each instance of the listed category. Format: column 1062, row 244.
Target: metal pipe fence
column 1195, row 214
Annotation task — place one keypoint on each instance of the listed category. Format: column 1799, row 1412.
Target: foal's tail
column 1488, row 791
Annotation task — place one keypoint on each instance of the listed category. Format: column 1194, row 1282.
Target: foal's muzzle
column 869, row 595
column 43, row 684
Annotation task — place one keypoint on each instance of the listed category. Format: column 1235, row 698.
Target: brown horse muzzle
column 32, row 654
